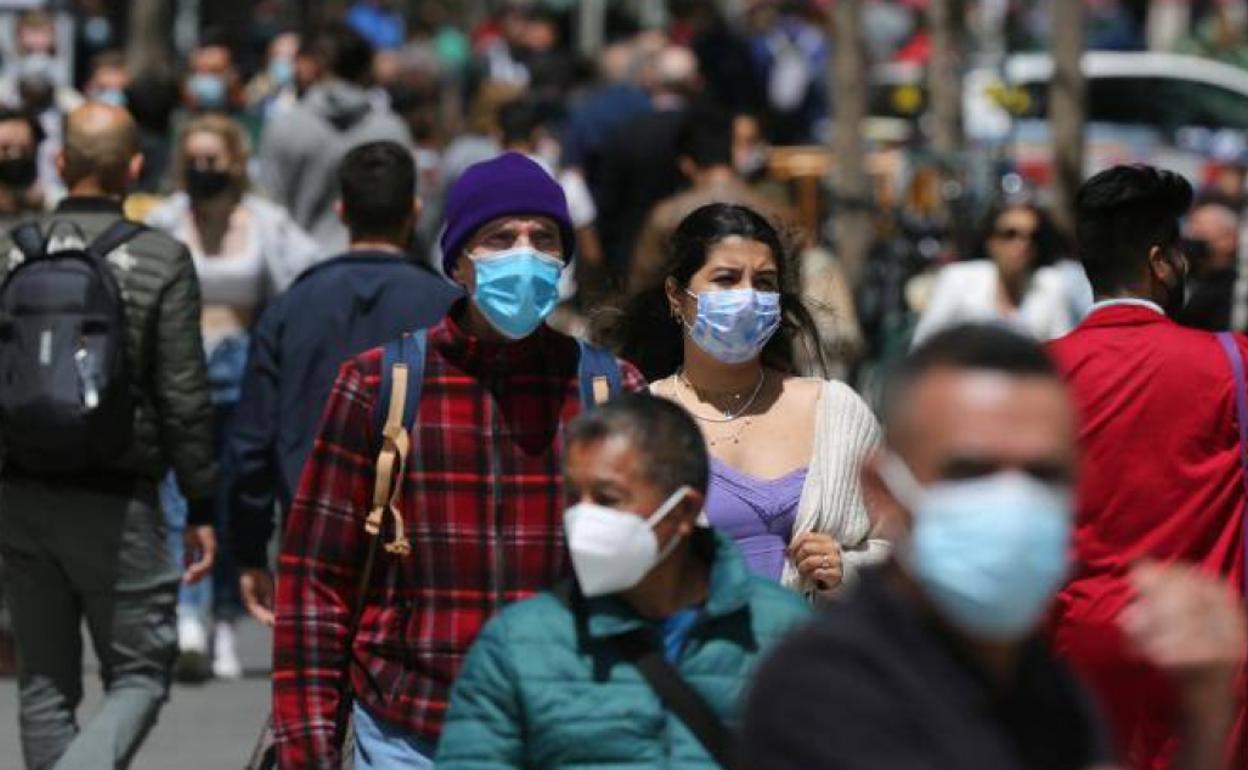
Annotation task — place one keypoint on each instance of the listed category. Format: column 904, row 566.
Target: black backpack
column 65, row 398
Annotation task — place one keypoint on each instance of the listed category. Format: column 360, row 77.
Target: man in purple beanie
column 482, row 496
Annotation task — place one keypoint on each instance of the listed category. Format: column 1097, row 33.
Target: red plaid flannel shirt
column 482, row 502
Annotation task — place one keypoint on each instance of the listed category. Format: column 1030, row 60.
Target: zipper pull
column 82, row 361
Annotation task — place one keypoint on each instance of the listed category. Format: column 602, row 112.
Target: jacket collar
column 89, row 204
column 474, row 353
column 1105, row 315
column 729, row 589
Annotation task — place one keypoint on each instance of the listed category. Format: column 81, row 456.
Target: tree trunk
column 853, row 219
column 147, row 49
column 944, row 83
column 1067, row 110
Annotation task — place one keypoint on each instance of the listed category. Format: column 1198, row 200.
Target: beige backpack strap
column 391, row 466
column 602, row 390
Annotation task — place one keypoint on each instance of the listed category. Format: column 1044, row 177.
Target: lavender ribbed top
column 758, row 514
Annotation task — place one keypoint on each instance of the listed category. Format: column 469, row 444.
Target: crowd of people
column 532, row 444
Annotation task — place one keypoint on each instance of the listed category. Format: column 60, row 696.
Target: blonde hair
column 230, row 133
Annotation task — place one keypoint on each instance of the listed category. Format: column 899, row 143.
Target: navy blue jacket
column 335, row 310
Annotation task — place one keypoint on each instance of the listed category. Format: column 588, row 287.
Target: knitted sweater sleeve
column 832, row 500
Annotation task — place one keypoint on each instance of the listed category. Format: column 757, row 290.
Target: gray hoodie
column 302, row 147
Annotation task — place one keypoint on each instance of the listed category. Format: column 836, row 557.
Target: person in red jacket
column 1162, row 476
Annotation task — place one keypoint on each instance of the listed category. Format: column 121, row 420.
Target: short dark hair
column 1121, row 213
column 342, row 51
column 673, row 454
column 518, row 120
column 706, row 138
column 378, row 185
column 983, row 347
column 8, row 114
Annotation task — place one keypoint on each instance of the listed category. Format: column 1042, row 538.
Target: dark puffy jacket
column 339, row 308
column 164, row 349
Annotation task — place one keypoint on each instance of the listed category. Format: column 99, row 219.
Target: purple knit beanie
column 509, row 185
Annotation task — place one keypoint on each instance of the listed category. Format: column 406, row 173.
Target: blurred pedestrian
column 34, row 82
column 718, row 336
column 247, row 251
column 1211, row 242
column 275, row 88
column 936, row 659
column 1013, row 282
column 21, row 194
column 212, row 81
column 1161, row 436
column 483, row 493
column 704, row 152
column 638, row 165
column 791, row 60
column 302, row 147
column 348, row 304
column 552, row 681
column 108, row 79
column 86, row 543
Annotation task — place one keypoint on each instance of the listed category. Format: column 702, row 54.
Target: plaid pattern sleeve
column 317, row 573
column 482, row 504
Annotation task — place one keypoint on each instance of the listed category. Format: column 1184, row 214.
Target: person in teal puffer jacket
column 546, row 684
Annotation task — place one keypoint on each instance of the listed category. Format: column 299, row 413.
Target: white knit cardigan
column 832, row 500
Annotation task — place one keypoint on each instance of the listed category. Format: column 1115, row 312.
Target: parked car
column 1170, row 109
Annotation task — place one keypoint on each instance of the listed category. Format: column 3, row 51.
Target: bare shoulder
column 662, row 388
column 801, row 392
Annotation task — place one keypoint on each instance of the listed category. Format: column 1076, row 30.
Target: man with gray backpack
column 102, row 387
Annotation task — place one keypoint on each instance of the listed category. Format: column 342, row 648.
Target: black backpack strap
column 114, row 236
column 28, row 238
column 678, row 696
column 599, row 375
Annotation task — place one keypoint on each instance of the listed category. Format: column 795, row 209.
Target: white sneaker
column 191, row 665
column 225, row 663
column 191, row 634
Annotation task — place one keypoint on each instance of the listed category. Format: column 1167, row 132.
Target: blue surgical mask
column 114, row 96
column 208, row 90
column 281, row 71
column 733, row 325
column 517, row 289
column 989, row 552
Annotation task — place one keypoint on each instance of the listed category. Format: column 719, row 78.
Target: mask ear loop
column 900, row 480
column 667, row 506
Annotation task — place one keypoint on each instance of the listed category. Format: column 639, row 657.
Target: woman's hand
column 818, row 559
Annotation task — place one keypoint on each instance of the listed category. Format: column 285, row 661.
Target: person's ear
column 675, row 297
column 889, row 517
column 463, row 273
column 418, row 205
column 687, row 167
column 689, row 510
column 61, row 163
column 135, row 169
column 340, row 212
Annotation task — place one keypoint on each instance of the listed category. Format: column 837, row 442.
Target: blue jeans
column 227, row 362
column 379, row 746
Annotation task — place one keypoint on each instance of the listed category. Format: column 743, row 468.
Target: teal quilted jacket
column 539, row 690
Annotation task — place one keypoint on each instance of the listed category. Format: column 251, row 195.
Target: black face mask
column 1176, row 294
column 18, row 173
column 202, row 184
